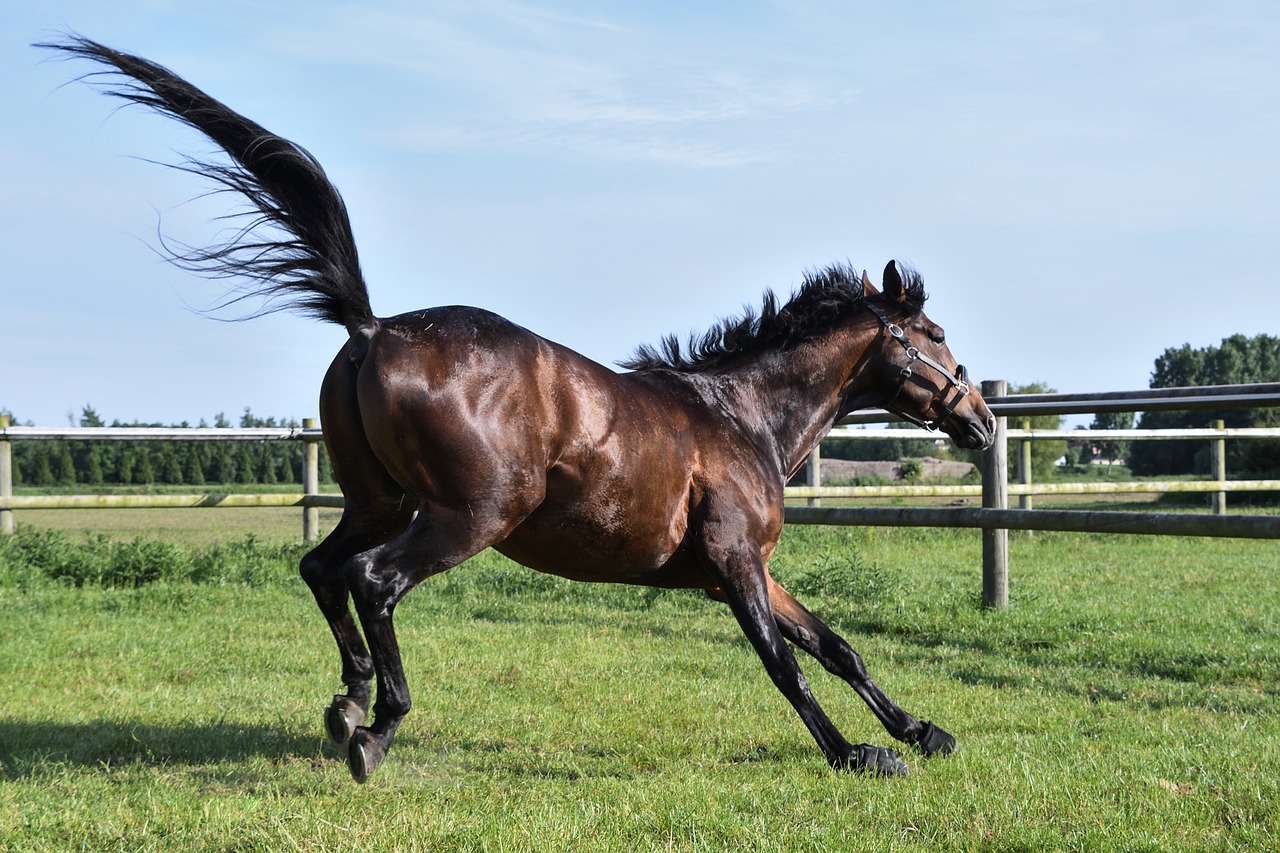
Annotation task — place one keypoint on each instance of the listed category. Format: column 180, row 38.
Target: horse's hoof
column 342, row 718
column 364, row 754
column 877, row 761
column 935, row 741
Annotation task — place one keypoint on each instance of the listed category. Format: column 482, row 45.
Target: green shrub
column 33, row 556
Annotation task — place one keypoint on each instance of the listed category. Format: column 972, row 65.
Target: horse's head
column 917, row 375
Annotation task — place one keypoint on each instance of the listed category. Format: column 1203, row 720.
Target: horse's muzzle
column 976, row 434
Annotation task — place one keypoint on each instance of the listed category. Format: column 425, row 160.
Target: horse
column 452, row 430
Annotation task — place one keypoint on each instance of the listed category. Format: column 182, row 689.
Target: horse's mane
column 823, row 298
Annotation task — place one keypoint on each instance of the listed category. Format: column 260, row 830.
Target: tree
column 91, row 472
column 286, row 474
column 124, row 464
column 245, row 472
column 1237, row 360
column 63, row 465
column 41, row 471
column 325, row 468
column 267, row 465
column 221, row 470
column 193, row 471
column 144, row 473
column 170, row 465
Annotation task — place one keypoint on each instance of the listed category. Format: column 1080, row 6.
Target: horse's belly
column 607, row 543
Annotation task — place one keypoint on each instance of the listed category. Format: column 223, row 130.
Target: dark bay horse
column 452, row 430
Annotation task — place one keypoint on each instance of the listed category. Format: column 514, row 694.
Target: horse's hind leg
column 324, row 570
column 807, row 632
column 436, row 540
column 375, row 510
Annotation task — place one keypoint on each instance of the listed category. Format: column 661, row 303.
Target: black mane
column 824, row 297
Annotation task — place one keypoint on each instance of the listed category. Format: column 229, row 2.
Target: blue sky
column 1082, row 184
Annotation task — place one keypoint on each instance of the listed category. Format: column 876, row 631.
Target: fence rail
column 1081, row 521
column 303, row 433
column 1253, row 396
column 994, row 518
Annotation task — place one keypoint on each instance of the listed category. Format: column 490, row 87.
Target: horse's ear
column 868, row 289
column 893, row 289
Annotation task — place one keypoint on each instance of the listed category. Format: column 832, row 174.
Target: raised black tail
column 313, row 266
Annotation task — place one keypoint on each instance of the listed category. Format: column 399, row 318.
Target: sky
column 1081, row 184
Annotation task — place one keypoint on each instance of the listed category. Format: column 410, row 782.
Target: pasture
column 1128, row 699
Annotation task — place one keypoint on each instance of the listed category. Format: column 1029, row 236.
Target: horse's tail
column 312, row 266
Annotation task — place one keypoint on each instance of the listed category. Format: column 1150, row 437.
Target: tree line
column 168, row 462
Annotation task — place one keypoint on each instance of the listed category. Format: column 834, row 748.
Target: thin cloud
column 556, row 83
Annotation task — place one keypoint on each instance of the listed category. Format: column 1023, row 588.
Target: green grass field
column 1129, row 699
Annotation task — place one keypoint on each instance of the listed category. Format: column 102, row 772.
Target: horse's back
column 463, row 387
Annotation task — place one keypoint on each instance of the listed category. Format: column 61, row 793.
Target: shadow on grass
column 226, row 753
column 33, row 749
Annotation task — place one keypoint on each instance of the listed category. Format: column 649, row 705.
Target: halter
column 960, row 381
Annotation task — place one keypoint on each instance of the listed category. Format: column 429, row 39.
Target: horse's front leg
column 827, row 647
column 745, row 588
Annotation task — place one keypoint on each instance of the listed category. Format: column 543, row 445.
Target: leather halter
column 960, row 381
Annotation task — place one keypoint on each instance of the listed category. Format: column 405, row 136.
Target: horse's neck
column 791, row 400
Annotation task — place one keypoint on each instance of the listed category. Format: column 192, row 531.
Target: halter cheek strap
column 959, row 382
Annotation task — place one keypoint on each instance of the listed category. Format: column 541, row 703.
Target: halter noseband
column 960, row 381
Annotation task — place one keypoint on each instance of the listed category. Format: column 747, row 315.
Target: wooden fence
column 994, row 517
column 309, row 500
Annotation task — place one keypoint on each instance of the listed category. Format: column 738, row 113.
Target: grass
column 1128, row 699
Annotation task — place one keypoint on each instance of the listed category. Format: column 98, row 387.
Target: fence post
column 6, row 477
column 1218, row 462
column 813, row 473
column 1024, row 465
column 995, row 495
column 310, row 484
